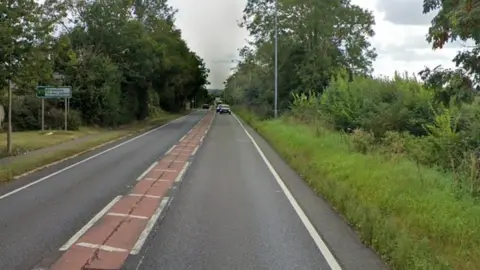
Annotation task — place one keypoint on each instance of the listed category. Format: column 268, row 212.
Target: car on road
column 224, row 108
column 205, row 106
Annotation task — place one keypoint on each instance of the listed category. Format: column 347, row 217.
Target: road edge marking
column 92, row 222
column 8, row 194
column 146, row 231
column 320, row 243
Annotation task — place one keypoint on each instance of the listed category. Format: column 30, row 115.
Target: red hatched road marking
column 106, row 241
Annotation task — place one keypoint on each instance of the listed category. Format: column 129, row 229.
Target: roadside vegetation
column 398, row 157
column 125, row 61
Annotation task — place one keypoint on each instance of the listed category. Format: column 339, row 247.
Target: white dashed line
column 145, row 195
column 182, row 173
column 195, row 150
column 170, row 150
column 126, row 215
column 87, row 226
column 101, row 247
column 143, row 236
column 147, row 170
column 165, row 170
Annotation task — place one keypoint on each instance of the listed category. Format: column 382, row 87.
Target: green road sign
column 54, row 92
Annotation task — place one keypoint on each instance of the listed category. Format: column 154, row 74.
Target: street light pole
column 276, row 58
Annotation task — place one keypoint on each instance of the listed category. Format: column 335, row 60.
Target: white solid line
column 332, row 262
column 181, row 139
column 126, row 215
column 101, row 247
column 87, row 226
column 147, row 170
column 144, row 235
column 84, row 160
column 195, row 150
column 145, row 195
column 182, row 173
column 170, row 150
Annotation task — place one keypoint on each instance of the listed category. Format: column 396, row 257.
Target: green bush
column 404, row 117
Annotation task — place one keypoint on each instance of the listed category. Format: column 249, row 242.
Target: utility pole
column 276, row 59
column 9, row 131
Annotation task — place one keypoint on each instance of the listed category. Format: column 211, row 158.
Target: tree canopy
column 316, row 39
column 125, row 60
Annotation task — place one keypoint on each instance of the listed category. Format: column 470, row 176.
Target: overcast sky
column 210, row 29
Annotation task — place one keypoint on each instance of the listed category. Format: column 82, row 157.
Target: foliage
column 124, row 60
column 310, row 49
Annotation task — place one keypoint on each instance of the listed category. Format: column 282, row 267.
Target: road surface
column 220, row 207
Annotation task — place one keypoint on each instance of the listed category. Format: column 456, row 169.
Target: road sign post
column 50, row 92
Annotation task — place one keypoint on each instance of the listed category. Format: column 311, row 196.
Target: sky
column 210, row 29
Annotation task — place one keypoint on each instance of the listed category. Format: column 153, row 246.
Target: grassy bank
column 412, row 215
column 27, row 163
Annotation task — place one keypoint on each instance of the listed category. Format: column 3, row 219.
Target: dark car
column 205, row 106
column 224, row 109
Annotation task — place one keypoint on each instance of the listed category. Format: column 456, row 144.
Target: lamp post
column 276, row 59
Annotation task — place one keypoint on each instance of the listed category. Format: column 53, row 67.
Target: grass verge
column 411, row 215
column 28, row 163
column 33, row 140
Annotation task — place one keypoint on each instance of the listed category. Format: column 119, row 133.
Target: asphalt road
column 230, row 213
column 36, row 221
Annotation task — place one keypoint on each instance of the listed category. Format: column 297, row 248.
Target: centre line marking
column 147, row 170
column 87, row 226
column 195, row 150
column 170, row 150
column 126, row 215
column 181, row 154
column 173, row 160
column 145, row 195
column 182, row 172
column 143, row 236
column 165, row 170
column 101, row 247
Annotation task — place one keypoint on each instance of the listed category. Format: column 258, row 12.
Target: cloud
column 210, row 29
column 404, row 12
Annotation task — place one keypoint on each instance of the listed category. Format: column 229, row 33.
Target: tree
column 457, row 21
column 125, row 60
column 316, row 39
